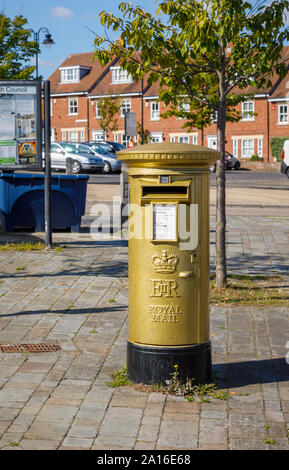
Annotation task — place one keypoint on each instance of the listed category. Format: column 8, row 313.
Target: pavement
column 76, row 297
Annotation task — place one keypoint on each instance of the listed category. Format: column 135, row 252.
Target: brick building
column 79, row 82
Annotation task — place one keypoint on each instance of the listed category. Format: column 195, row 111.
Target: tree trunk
column 221, row 271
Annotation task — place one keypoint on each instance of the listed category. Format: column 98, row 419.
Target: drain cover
column 33, row 348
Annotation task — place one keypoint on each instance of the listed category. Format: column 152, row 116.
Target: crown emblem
column 165, row 263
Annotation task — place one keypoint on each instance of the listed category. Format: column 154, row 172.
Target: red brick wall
column 86, row 115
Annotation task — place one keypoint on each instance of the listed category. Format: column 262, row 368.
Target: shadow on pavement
column 68, row 311
column 240, row 374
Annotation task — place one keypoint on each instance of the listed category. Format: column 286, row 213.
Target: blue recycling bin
column 22, row 201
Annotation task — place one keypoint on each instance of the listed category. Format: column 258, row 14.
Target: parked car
column 111, row 164
column 60, row 151
column 285, row 159
column 115, row 146
column 234, row 160
column 228, row 165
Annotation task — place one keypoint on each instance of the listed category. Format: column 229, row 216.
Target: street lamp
column 48, row 41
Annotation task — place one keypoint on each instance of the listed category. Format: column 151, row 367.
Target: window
column 125, row 107
column 120, row 75
column 195, row 139
column 69, row 75
column 97, row 136
column 184, row 139
column 247, row 148
column 73, row 136
column 260, row 148
column 247, row 111
column 156, row 137
column 82, row 136
column 63, row 136
column 155, row 111
column 97, row 111
column 235, row 148
column 72, row 106
column 125, row 140
column 115, row 137
column 283, row 114
column 184, row 107
column 214, row 116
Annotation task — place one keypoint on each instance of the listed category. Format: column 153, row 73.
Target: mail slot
column 168, row 261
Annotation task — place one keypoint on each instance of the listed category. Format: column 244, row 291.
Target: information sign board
column 20, row 124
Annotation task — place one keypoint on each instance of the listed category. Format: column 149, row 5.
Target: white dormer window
column 69, row 75
column 120, row 75
column 73, row 74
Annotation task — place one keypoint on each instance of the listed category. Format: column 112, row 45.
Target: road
column 241, row 179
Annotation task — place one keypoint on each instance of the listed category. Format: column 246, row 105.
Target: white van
column 285, row 159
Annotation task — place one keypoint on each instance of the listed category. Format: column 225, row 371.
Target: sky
column 67, row 22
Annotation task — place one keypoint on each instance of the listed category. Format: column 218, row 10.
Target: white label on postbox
column 164, row 221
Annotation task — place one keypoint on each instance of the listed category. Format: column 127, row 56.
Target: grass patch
column 23, row 246
column 29, row 246
column 251, row 290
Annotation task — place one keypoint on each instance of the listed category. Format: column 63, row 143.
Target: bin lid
column 169, row 154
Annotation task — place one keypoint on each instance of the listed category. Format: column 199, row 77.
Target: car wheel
column 287, row 172
column 76, row 167
column 237, row 165
column 106, row 168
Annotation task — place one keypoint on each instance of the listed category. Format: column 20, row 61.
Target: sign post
column 47, row 185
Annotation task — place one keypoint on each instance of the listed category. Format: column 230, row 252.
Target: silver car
column 109, row 159
column 60, row 151
column 234, row 160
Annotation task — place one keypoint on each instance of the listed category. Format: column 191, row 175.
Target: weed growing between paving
column 174, row 386
column 251, row 290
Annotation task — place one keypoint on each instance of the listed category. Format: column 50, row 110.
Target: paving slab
column 62, row 400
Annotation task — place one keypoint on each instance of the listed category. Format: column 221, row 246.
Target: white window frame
column 260, row 148
column 73, row 136
column 184, row 139
column 248, row 108
column 125, row 107
column 115, row 137
column 120, row 75
column 97, row 112
column 69, row 75
column 155, row 111
column 156, row 137
column 72, row 106
column 63, row 136
column 283, row 114
column 97, row 136
column 247, row 148
column 82, row 135
column 195, row 139
column 214, row 116
column 125, row 140
column 235, row 147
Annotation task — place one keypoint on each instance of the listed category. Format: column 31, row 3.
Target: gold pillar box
column 168, row 236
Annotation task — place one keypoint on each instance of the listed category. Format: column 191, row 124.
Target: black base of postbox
column 148, row 365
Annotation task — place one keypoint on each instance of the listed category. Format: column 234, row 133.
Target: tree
column 204, row 50
column 15, row 49
column 108, row 107
column 143, row 133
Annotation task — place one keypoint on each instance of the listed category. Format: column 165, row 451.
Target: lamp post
column 48, row 41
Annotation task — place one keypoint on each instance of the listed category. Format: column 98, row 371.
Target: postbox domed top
column 169, row 154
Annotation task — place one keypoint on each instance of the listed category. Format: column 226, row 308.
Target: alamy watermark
column 155, row 221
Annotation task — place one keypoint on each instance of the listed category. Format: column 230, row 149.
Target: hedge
column 277, row 147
